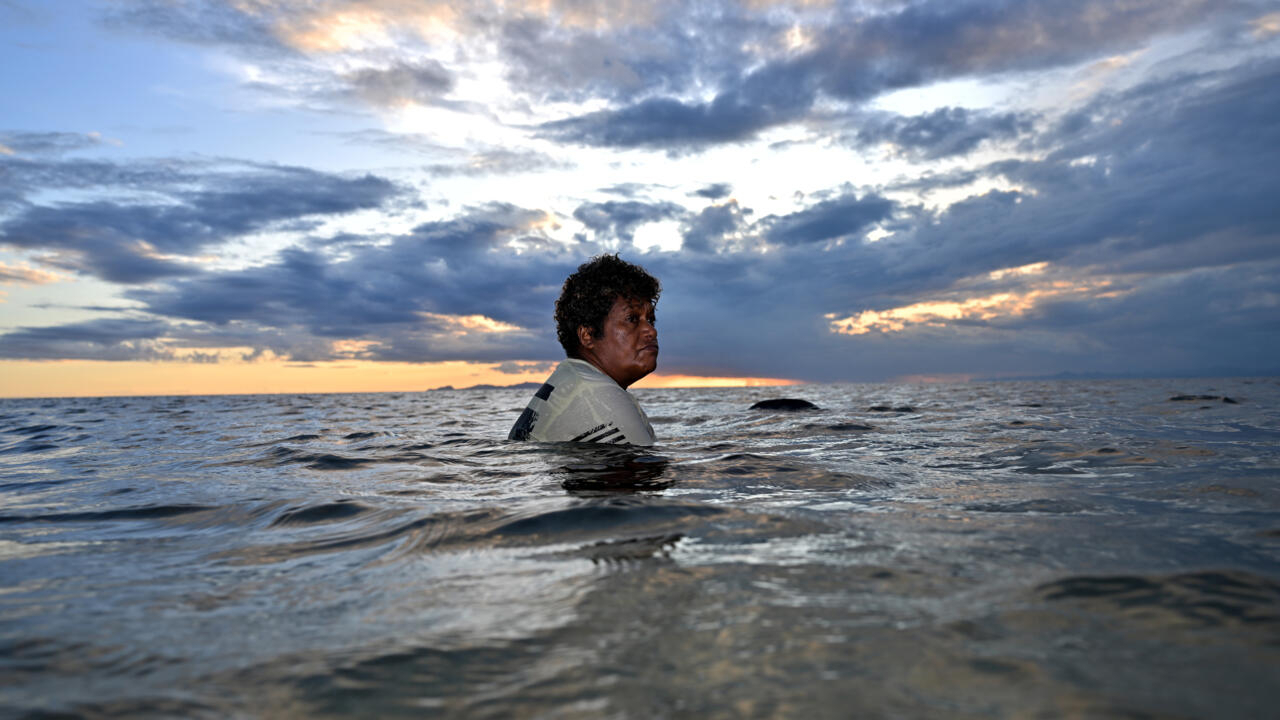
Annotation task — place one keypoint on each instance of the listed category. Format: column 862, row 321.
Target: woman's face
column 627, row 349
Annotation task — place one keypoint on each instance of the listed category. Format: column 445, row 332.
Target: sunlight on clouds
column 351, row 348
column 1266, row 26
column 147, row 250
column 1099, row 75
column 453, row 127
column 931, row 313
column 349, row 30
column 5, row 150
column 798, row 39
column 978, row 308
column 663, row 235
column 962, row 93
column 463, row 324
column 1031, row 269
column 362, row 26
column 24, row 275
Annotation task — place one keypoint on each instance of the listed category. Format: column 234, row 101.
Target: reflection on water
column 1085, row 549
column 613, row 469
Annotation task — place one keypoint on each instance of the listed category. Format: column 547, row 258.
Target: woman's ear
column 585, row 339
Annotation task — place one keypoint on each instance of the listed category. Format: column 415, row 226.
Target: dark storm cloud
column 844, row 216
column 714, row 191
column 929, row 41
column 860, row 57
column 104, row 339
column 1169, row 185
column 707, row 231
column 679, row 47
column 1172, row 175
column 401, row 83
column 619, row 219
column 942, row 133
column 125, row 241
column 628, row 190
column 768, row 97
column 396, row 295
column 1167, row 190
column 1171, row 182
column 931, row 180
column 24, row 176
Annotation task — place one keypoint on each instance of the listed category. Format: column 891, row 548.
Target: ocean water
column 1018, row 549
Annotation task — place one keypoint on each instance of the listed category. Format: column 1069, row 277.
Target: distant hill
column 517, row 386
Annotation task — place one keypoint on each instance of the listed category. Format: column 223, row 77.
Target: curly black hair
column 589, row 293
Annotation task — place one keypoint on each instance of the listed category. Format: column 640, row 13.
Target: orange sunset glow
column 978, row 307
column 85, row 378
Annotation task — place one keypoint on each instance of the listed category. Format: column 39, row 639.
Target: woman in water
column 605, row 322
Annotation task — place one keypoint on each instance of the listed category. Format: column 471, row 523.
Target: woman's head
column 605, row 316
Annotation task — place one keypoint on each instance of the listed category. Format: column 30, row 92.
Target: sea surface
column 1092, row 549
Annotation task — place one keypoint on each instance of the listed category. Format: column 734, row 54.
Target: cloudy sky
column 312, row 195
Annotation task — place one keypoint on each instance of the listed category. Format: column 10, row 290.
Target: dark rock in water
column 886, row 408
column 784, row 404
column 1229, row 401
column 1192, row 398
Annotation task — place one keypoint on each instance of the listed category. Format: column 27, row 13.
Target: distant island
column 517, row 386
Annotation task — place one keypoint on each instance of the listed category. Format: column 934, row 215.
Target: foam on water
column 1069, row 548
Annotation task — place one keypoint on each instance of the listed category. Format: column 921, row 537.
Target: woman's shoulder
column 581, row 371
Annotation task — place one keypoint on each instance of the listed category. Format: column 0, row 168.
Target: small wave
column 1205, row 599
column 146, row 512
column 327, row 512
column 329, row 461
column 34, row 429
column 628, row 550
column 27, row 446
column 608, row 516
column 279, row 455
column 780, row 472
column 1045, row 505
column 841, row 427
column 376, row 529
